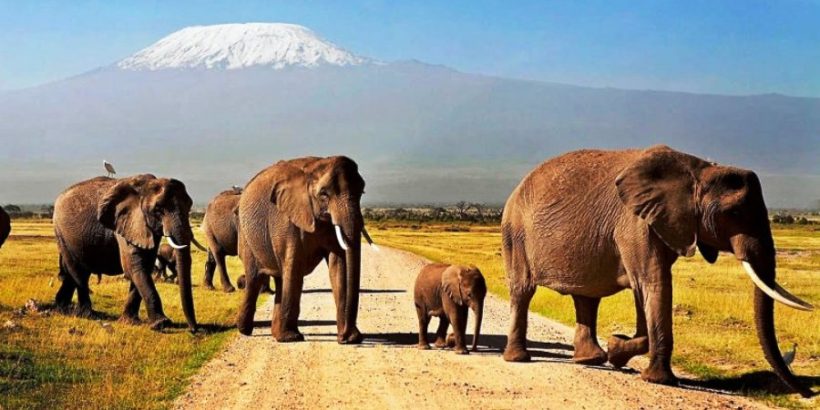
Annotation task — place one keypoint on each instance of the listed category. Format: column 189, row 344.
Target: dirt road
column 387, row 371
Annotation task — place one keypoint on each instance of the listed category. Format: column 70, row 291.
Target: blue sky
column 727, row 47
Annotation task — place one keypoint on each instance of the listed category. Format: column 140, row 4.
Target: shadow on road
column 366, row 291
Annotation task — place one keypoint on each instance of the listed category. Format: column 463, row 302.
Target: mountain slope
column 420, row 133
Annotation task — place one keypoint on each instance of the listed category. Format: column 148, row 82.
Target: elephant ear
column 451, row 284
column 120, row 211
column 290, row 194
column 709, row 253
column 659, row 187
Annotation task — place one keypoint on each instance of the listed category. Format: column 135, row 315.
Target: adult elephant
column 115, row 226
column 292, row 215
column 220, row 227
column 591, row 223
column 5, row 226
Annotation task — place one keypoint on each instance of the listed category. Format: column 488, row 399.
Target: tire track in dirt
column 387, row 371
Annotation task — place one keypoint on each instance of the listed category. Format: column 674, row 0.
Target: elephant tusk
column 778, row 293
column 369, row 240
column 173, row 244
column 340, row 237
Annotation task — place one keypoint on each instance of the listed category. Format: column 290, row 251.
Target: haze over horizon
column 236, row 97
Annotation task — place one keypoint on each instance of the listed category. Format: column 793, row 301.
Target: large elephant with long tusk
column 293, row 215
column 115, row 226
column 591, row 223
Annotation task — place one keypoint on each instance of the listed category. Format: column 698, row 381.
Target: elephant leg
column 130, row 314
column 247, row 309
column 441, row 332
column 153, row 304
column 223, row 273
column 337, row 268
column 288, row 312
column 516, row 350
column 587, row 350
column 424, row 321
column 277, row 303
column 266, row 285
column 210, row 267
column 84, row 295
column 65, row 293
column 79, row 277
column 459, row 320
column 621, row 348
column 658, row 307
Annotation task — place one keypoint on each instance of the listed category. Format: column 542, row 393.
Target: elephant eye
column 323, row 193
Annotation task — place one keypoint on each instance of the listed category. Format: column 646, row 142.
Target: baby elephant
column 166, row 261
column 447, row 291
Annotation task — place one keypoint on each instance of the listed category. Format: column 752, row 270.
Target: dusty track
column 387, row 371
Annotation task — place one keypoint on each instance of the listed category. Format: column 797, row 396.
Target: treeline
column 32, row 212
column 459, row 212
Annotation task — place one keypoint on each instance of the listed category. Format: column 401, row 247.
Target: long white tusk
column 778, row 293
column 340, row 238
column 174, row 245
column 369, row 240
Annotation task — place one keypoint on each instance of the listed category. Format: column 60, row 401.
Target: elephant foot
column 621, row 348
column 129, row 320
column 228, row 289
column 160, row 323
column 84, row 312
column 596, row 358
column 209, row 286
column 289, row 336
column 659, row 374
column 245, row 330
column 461, row 350
column 516, row 354
column 423, row 346
column 353, row 337
column 440, row 343
column 451, row 340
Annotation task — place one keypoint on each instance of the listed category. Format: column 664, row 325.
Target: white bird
column 789, row 356
column 109, row 168
column 237, row 189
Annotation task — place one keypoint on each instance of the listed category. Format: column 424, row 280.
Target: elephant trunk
column 178, row 231
column 478, row 309
column 349, row 232
column 764, row 321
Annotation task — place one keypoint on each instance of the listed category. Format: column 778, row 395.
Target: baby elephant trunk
column 478, row 309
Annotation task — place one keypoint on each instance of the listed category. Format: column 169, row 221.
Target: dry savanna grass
column 57, row 361
column 715, row 336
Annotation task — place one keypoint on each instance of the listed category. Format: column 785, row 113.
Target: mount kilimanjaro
column 211, row 105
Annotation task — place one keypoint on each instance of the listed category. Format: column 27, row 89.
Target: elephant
column 5, row 226
column 220, row 227
column 591, row 223
column 115, row 226
column 166, row 261
column 292, row 215
column 448, row 291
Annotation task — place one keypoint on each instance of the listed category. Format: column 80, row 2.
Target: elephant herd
column 588, row 224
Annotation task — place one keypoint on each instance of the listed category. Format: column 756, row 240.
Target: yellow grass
column 55, row 361
column 714, row 329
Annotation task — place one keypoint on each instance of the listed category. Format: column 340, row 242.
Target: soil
column 388, row 371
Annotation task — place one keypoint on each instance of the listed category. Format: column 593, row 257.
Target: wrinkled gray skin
column 448, row 292
column 221, row 234
column 591, row 223
column 166, row 261
column 5, row 226
column 115, row 226
column 287, row 215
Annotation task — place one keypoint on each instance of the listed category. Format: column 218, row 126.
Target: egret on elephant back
column 293, row 215
column 591, row 223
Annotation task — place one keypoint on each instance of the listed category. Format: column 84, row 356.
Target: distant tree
column 12, row 209
column 461, row 207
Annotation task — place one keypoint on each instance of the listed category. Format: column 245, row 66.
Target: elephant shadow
column 759, row 381
column 362, row 291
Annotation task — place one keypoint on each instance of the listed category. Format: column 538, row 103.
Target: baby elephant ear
column 119, row 210
column 290, row 194
column 659, row 187
column 451, row 285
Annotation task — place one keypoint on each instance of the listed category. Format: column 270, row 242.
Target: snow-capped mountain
column 205, row 105
column 233, row 46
